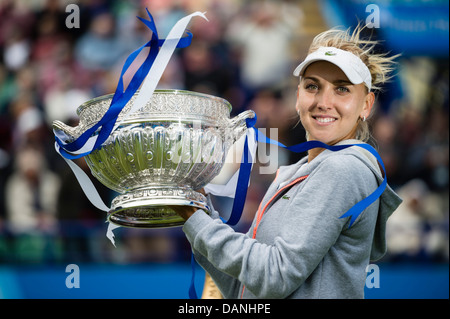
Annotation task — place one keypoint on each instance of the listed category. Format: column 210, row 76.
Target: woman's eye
column 311, row 86
column 343, row 89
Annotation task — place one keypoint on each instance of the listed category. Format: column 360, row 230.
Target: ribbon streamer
column 229, row 189
column 150, row 72
column 152, row 69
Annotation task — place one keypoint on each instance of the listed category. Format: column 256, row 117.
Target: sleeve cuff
column 195, row 223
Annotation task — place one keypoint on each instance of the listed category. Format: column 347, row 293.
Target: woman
column 298, row 246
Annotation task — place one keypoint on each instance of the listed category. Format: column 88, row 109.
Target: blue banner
column 413, row 28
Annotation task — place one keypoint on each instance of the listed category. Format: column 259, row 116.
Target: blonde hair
column 380, row 64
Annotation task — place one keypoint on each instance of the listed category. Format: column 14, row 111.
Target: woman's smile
column 324, row 120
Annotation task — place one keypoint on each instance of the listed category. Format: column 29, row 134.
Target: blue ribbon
column 244, row 177
column 245, row 169
column 121, row 97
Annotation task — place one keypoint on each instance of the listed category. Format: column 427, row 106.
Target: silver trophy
column 160, row 154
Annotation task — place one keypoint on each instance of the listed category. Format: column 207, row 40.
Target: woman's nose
column 324, row 99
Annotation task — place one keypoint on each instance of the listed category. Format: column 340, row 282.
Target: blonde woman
column 298, row 246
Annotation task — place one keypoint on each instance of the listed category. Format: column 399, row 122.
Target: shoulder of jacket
column 344, row 159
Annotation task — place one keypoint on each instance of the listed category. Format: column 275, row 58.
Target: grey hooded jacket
column 298, row 246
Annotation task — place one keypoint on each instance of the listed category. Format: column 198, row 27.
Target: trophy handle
column 238, row 124
column 59, row 126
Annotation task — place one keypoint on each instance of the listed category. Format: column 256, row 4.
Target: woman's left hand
column 184, row 211
column 187, row 211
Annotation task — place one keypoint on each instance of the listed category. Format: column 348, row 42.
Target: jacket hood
column 389, row 200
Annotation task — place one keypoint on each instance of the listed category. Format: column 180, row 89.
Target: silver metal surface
column 161, row 154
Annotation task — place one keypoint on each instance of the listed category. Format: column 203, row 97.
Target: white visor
column 355, row 69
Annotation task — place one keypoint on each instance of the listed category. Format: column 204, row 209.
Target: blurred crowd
column 245, row 54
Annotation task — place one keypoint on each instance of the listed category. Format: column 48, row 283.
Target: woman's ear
column 368, row 104
column 296, row 102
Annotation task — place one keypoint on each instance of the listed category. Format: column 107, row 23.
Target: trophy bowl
column 159, row 155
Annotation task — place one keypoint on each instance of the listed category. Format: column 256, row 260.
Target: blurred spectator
column 7, row 89
column 16, row 52
column 264, row 39
column 31, row 193
column 100, row 48
column 203, row 72
column 24, row 83
column 165, row 12
column 80, row 223
column 52, row 51
column 208, row 64
column 15, row 41
column 63, row 98
column 29, row 126
column 385, row 133
column 417, row 231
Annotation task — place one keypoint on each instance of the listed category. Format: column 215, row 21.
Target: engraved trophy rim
column 91, row 111
column 97, row 99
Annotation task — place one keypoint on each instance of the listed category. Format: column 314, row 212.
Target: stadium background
column 245, row 53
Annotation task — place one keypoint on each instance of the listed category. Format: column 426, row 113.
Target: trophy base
column 149, row 207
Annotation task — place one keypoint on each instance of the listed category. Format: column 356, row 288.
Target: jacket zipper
column 261, row 212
